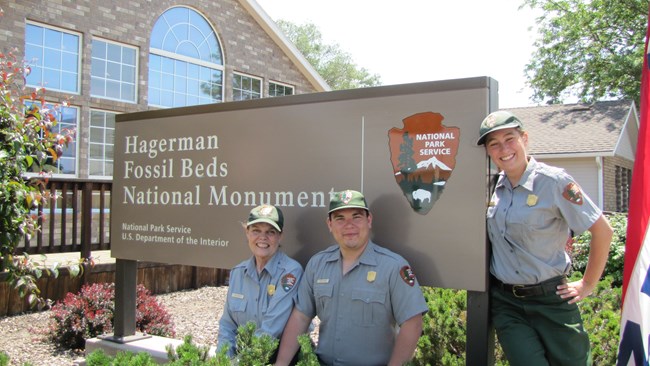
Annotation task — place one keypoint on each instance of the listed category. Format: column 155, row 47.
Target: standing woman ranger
column 261, row 289
column 530, row 215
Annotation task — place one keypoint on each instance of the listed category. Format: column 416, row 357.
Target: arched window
column 185, row 60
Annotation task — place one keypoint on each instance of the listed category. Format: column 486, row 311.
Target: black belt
column 542, row 288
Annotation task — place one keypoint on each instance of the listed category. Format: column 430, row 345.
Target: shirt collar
column 270, row 266
column 369, row 255
column 527, row 178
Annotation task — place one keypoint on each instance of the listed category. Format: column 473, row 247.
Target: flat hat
column 268, row 214
column 495, row 121
column 347, row 199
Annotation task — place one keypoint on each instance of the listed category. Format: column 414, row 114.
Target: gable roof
column 576, row 129
column 269, row 26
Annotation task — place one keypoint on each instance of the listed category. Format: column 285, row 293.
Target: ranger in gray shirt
column 530, row 216
column 362, row 293
column 260, row 289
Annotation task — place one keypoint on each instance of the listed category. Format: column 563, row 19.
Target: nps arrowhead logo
column 423, row 155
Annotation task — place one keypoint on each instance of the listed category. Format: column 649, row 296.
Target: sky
column 412, row 41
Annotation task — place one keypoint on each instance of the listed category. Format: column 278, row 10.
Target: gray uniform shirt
column 529, row 224
column 265, row 299
column 359, row 312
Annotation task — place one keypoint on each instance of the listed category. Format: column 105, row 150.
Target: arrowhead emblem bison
column 423, row 156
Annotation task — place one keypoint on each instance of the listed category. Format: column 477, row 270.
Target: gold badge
column 371, row 276
column 270, row 289
column 532, row 200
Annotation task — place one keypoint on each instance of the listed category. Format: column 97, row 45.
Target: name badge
column 238, row 296
column 323, row 280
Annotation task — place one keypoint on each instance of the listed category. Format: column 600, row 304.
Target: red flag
column 635, row 318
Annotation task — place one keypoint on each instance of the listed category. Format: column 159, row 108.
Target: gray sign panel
column 186, row 178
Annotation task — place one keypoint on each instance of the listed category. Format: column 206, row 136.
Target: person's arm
column 407, row 340
column 601, row 239
column 227, row 331
column 298, row 324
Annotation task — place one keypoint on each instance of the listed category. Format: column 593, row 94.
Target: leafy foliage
column 588, row 49
column 100, row 358
column 27, row 143
column 601, row 314
column 90, row 313
column 189, row 353
column 614, row 266
column 253, row 349
column 333, row 64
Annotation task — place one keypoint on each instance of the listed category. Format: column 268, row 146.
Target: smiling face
column 263, row 241
column 350, row 228
column 507, row 149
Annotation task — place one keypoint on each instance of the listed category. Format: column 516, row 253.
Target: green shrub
column 601, row 314
column 90, row 313
column 4, row 359
column 614, row 267
column 189, row 353
column 100, row 358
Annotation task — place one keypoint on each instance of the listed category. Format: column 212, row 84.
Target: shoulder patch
column 407, row 275
column 572, row 193
column 288, row 281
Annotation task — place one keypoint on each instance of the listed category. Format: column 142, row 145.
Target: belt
column 543, row 288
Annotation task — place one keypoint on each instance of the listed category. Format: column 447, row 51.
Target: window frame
column 284, row 85
column 104, row 144
column 80, row 39
column 189, row 61
column 121, row 81
column 243, row 91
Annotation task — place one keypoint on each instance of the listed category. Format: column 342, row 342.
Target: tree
column 589, row 49
column 27, row 142
column 333, row 64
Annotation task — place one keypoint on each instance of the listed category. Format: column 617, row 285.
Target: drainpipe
column 601, row 185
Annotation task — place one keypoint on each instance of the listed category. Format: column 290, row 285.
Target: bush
column 614, row 267
column 90, row 313
column 601, row 314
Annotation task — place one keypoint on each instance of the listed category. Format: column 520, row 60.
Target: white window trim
column 88, row 157
column 137, row 70
column 280, row 83
column 261, row 80
column 80, row 66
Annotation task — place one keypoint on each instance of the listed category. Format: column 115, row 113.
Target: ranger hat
column 347, row 199
column 498, row 120
column 268, row 214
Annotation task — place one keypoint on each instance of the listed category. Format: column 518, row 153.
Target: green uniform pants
column 539, row 330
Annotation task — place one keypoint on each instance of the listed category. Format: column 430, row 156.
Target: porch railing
column 76, row 218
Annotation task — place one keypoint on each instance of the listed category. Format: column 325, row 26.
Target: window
column 246, row 87
column 67, row 118
column 54, row 58
column 113, row 71
column 279, row 90
column 623, row 180
column 185, row 62
column 101, row 141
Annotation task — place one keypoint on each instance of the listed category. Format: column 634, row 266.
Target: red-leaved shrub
column 90, row 313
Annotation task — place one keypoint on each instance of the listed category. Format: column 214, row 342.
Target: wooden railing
column 76, row 218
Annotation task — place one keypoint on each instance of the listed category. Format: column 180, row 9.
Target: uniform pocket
column 323, row 295
column 368, row 306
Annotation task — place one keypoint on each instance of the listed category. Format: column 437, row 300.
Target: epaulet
column 552, row 172
column 387, row 252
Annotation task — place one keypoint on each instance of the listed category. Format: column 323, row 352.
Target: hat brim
column 481, row 139
column 347, row 206
column 267, row 221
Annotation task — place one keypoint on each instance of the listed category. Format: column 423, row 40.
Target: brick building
column 120, row 56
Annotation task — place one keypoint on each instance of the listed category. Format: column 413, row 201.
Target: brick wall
column 246, row 47
column 609, row 179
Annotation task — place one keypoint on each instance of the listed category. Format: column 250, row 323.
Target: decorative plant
column 27, row 143
column 90, row 313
